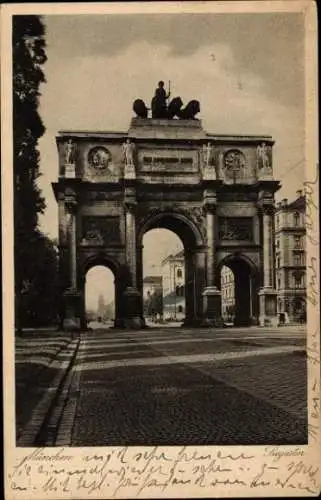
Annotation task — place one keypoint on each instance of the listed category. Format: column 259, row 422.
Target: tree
column 28, row 46
column 39, row 296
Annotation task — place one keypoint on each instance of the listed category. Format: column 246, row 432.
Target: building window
column 297, row 280
column 278, row 262
column 277, row 221
column 182, row 291
column 279, row 283
column 277, row 244
column 180, row 309
column 296, row 219
column 179, row 273
column 177, row 290
column 297, row 242
column 296, row 260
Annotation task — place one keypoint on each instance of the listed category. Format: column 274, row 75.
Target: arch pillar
column 211, row 294
column 195, row 272
column 132, row 297
column 268, row 294
column 72, row 296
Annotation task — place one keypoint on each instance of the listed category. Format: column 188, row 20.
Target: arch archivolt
column 186, row 223
column 98, row 259
column 226, row 258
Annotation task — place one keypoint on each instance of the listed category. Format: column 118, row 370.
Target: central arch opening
column 168, row 244
column 100, row 297
column 163, row 278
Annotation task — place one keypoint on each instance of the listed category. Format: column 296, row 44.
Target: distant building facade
column 227, row 293
column 173, row 274
column 290, row 254
column 151, row 285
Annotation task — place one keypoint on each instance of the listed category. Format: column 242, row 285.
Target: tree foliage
column 35, row 254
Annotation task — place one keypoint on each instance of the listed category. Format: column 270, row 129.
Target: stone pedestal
column 70, row 171
column 72, row 317
column 132, row 302
column 268, row 307
column 211, row 306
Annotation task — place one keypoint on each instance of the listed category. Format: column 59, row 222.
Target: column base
column 133, row 319
column 72, row 317
column 268, row 314
column 212, row 315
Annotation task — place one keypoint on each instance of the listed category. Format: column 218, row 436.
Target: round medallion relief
column 99, row 158
column 234, row 163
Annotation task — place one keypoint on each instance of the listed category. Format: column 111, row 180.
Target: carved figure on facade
column 69, row 152
column 128, row 152
column 207, row 154
column 263, row 159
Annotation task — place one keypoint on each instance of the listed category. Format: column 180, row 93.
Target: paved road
column 178, row 386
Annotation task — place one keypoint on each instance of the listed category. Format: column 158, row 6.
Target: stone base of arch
column 132, row 303
column 72, row 320
column 211, row 306
column 268, row 307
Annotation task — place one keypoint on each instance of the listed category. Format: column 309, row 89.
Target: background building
column 290, row 254
column 173, row 273
column 153, row 297
column 227, row 293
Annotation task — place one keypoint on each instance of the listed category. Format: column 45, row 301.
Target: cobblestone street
column 176, row 386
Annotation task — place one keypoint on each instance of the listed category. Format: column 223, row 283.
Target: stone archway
column 119, row 284
column 246, row 285
column 210, row 189
column 191, row 237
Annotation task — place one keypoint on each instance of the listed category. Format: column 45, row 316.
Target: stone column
column 131, row 242
column 133, row 299
column 72, row 240
column 268, row 294
column 211, row 295
column 72, row 296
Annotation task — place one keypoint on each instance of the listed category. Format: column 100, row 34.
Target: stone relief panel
column 237, row 165
column 100, row 231
column 235, row 229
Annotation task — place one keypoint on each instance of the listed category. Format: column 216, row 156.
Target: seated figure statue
column 159, row 105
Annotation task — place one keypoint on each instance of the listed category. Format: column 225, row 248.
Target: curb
column 40, row 413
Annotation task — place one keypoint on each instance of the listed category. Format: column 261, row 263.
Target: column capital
column 71, row 205
column 209, row 206
column 131, row 206
column 266, row 209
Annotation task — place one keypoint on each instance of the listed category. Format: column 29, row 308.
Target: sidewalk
column 37, row 362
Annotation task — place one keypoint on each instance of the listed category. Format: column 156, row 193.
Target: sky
column 245, row 69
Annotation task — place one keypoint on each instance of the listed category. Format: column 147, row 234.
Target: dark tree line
column 35, row 254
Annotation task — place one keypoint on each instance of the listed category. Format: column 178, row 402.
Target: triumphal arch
column 216, row 192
